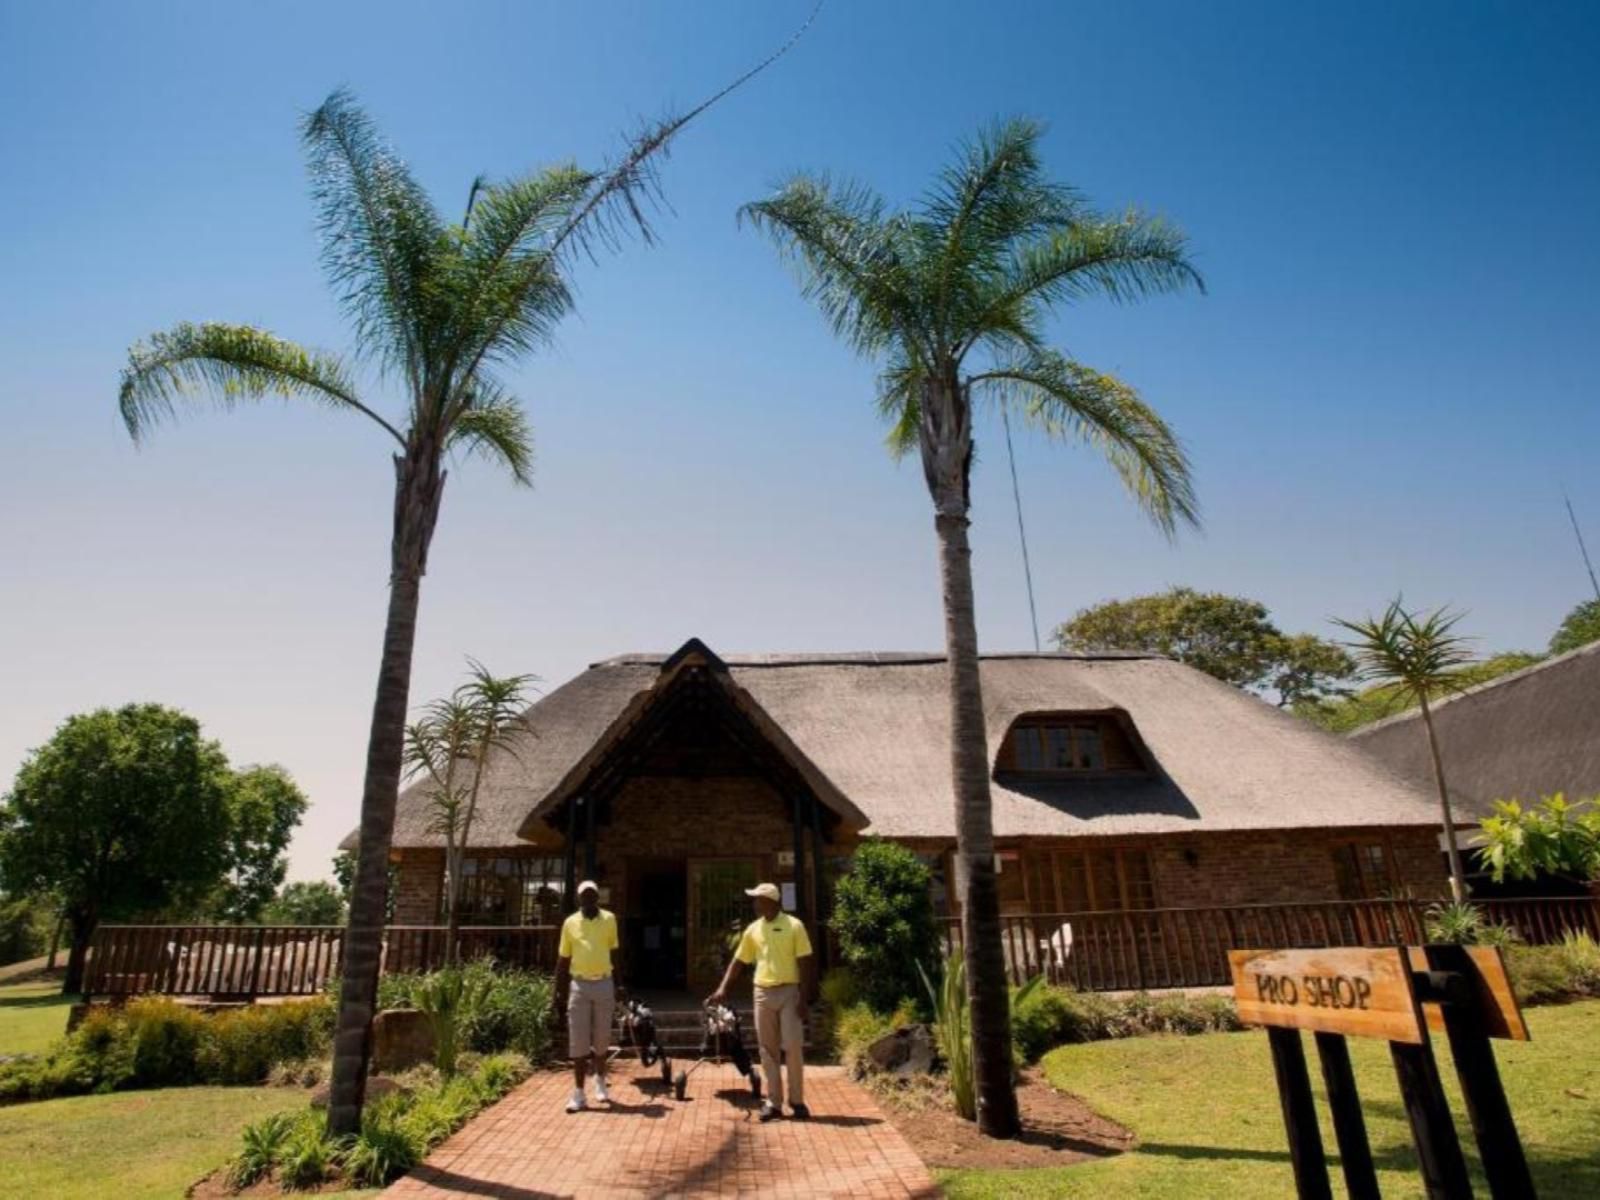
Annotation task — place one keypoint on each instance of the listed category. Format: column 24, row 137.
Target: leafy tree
column 25, row 926
column 299, row 903
column 344, row 873
column 951, row 298
column 883, row 918
column 264, row 807
column 1386, row 699
column 1552, row 838
column 1228, row 637
column 1420, row 656
column 1578, row 628
column 122, row 812
column 455, row 733
column 438, row 306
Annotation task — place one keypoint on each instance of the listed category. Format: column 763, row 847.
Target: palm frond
column 847, row 254
column 1417, row 652
column 1123, row 258
column 380, row 233
column 1065, row 399
column 492, row 425
column 233, row 364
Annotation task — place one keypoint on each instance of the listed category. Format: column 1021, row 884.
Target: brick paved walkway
column 648, row 1144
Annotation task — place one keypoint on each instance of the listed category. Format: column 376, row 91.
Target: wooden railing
column 250, row 961
column 1188, row 947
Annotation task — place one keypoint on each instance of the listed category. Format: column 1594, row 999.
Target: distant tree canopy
column 121, row 812
column 315, row 903
column 1386, row 699
column 131, row 813
column 1231, row 638
column 1578, row 628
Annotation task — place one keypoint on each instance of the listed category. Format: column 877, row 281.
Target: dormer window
column 1068, row 744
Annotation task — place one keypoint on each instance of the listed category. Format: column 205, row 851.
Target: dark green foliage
column 854, row 1027
column 1567, row 970
column 1554, row 837
column 1228, row 637
column 883, row 919
column 1387, row 699
column 1578, row 628
column 264, row 807
column 26, row 924
column 156, row 1042
column 516, row 1012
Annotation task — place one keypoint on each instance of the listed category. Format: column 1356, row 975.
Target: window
column 1067, row 745
column 1009, row 879
column 1089, row 881
column 511, row 891
column 1362, row 870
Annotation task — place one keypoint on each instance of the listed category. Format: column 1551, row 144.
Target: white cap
column 768, row 891
column 588, row 885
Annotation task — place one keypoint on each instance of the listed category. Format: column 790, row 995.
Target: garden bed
column 1058, row 1128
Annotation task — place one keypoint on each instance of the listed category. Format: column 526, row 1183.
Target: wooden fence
column 1092, row 951
column 1188, row 947
column 245, row 962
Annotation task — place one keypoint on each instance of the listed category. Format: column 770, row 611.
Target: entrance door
column 656, row 923
column 718, row 910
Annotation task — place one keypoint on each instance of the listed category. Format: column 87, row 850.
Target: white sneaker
column 600, row 1092
column 577, row 1103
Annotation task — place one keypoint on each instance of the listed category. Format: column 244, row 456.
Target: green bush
column 385, row 1148
column 263, row 1142
column 1464, row 924
column 517, row 1013
column 883, row 919
column 167, row 1039
column 1567, row 970
column 308, row 1154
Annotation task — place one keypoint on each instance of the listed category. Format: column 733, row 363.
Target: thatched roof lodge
column 1121, row 781
column 1524, row 735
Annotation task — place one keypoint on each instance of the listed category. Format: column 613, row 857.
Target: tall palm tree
column 437, row 307
column 951, row 298
column 1419, row 657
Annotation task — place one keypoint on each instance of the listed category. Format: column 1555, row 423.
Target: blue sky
column 1391, row 380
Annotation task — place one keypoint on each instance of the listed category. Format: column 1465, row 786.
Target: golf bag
column 639, row 1029
column 724, row 1037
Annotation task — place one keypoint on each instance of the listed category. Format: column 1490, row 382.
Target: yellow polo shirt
column 776, row 948
column 589, row 943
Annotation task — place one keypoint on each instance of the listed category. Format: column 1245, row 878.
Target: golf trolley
column 722, row 1041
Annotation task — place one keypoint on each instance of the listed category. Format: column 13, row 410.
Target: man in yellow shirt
column 777, row 946
column 586, row 981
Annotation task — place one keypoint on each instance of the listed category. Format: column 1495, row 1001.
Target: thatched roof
column 1533, row 732
column 876, row 728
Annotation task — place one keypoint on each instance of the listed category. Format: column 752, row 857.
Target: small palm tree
column 1419, row 657
column 951, row 299
column 438, row 307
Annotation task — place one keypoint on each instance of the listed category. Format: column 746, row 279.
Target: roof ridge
column 880, row 658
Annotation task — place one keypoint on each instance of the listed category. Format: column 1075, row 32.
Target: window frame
column 1107, row 724
column 1358, row 849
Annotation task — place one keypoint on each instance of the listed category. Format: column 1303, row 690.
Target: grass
column 1205, row 1110
column 33, row 1013
column 128, row 1144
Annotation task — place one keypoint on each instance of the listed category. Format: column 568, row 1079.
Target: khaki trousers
column 778, row 1027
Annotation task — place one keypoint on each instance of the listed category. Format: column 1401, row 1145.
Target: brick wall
column 420, row 879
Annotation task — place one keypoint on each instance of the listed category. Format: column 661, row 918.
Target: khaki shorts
column 591, row 1004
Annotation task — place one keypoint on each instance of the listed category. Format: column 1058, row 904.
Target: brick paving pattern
column 648, row 1144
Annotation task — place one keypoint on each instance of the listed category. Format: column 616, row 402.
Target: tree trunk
column 1458, row 879
column 980, row 912
column 452, row 900
column 419, row 484
column 82, row 926
column 55, row 941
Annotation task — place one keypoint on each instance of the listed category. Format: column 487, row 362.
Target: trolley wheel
column 680, row 1085
column 666, row 1069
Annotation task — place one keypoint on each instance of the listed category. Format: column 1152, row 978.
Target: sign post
column 1397, row 994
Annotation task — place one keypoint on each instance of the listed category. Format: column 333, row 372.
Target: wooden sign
column 1498, row 1009
column 1366, row 992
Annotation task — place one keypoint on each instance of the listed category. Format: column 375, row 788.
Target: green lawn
column 1205, row 1110
column 33, row 1013
column 129, row 1144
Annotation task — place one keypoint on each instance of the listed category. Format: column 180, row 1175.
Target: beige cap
column 588, row 885
column 768, row 891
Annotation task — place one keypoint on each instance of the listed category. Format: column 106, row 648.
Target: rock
column 904, row 1052
column 378, row 1085
column 401, row 1038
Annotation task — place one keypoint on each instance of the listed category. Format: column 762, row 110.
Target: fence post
column 255, row 967
column 1349, row 1127
column 1299, row 1115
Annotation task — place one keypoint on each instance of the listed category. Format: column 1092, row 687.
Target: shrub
column 1039, row 1021
column 244, row 1044
column 952, row 1017
column 308, row 1154
column 1465, row 925
column 1566, row 970
column 384, row 1148
column 516, row 1013
column 857, row 1026
column 883, row 918
column 450, row 1000
column 167, row 1039
column 263, row 1142
column 1579, row 956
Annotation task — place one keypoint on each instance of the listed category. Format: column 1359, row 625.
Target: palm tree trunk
column 419, row 484
column 980, row 911
column 1458, row 889
column 452, row 912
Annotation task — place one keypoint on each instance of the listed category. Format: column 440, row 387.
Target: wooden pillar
column 1299, row 1115
column 799, row 857
column 1349, row 1127
column 819, row 889
column 570, row 870
column 588, row 837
